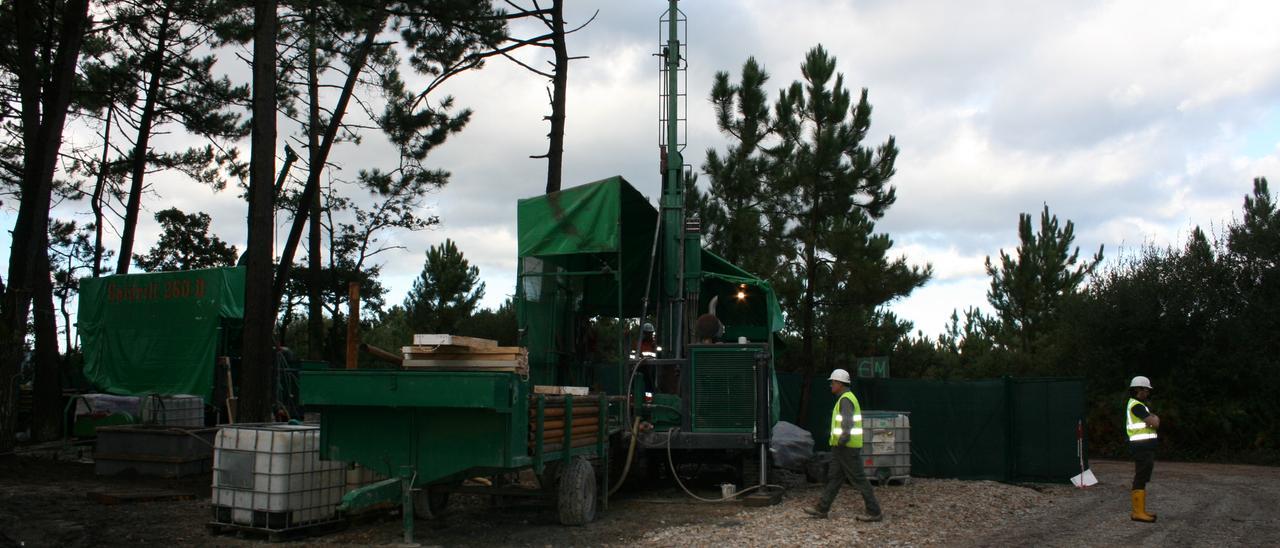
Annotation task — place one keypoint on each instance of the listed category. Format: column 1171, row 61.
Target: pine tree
column 794, row 197
column 828, row 175
column 445, row 293
column 173, row 84
column 354, row 43
column 740, row 211
column 856, row 281
column 185, row 244
column 1027, row 289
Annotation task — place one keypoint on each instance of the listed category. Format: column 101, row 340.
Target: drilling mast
column 671, row 142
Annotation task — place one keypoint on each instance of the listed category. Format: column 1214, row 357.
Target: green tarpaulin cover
column 587, row 227
column 157, row 332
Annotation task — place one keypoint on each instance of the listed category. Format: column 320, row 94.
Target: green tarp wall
column 157, row 332
column 1001, row 429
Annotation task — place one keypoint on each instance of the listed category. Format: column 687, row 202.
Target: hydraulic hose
column 675, row 474
column 631, row 453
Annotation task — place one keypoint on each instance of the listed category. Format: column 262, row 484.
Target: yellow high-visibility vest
column 854, row 430
column 1137, row 429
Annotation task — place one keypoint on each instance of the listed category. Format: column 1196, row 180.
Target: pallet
column 512, row 359
column 278, row 535
column 895, row 480
column 137, row 495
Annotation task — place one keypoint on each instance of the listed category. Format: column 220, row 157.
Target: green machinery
column 598, row 258
column 591, row 260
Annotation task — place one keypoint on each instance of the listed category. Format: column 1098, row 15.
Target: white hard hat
column 1140, row 382
column 840, row 375
column 647, row 327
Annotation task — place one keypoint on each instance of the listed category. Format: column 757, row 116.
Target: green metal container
column 723, row 388
column 442, row 424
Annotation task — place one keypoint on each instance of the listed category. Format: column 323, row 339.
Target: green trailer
column 429, row 431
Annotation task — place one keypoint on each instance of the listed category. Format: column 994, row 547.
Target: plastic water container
column 175, row 410
column 271, row 477
column 886, row 445
column 358, row 476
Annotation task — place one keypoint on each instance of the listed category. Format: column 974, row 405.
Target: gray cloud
column 1134, row 121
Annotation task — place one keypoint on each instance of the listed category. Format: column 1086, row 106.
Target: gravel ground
column 925, row 512
column 44, row 503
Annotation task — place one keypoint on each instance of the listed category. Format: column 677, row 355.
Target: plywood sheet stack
column 454, row 353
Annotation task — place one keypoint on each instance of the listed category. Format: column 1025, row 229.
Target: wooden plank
column 559, row 423
column 578, row 412
column 464, row 364
column 558, row 434
column 444, row 348
column 437, row 339
column 561, row 390
column 481, row 356
column 455, row 349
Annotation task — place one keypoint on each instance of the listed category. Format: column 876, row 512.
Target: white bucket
column 727, row 490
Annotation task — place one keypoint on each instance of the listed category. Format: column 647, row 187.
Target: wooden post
column 353, row 325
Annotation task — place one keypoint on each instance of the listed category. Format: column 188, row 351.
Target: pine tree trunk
column 555, row 149
column 257, row 389
column 141, row 146
column 47, row 389
column 44, row 98
column 807, row 315
column 315, row 314
column 99, row 187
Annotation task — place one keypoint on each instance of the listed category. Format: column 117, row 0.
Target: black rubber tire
column 576, row 492
column 430, row 503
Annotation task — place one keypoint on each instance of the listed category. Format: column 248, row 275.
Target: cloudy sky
column 1136, row 120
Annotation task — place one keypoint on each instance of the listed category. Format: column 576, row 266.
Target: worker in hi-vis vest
column 846, row 452
column 1140, row 427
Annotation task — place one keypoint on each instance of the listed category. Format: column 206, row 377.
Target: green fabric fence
column 997, row 429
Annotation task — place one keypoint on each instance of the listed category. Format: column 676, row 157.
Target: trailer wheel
column 430, row 503
column 576, row 491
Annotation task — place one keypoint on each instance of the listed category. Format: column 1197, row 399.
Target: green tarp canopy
column 589, row 228
column 740, row 316
column 598, row 226
column 157, row 332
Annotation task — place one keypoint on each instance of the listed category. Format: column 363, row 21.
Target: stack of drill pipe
column 585, row 424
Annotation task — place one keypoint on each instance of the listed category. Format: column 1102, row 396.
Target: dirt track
column 44, row 503
column 1197, row 505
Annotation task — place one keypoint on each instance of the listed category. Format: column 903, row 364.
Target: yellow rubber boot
column 1139, row 498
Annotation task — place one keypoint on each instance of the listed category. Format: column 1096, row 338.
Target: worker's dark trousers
column 846, row 464
column 1144, row 461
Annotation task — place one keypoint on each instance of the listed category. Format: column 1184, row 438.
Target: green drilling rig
column 593, row 259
